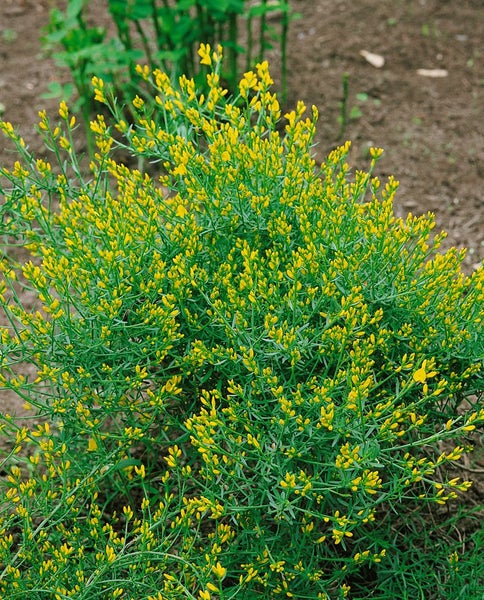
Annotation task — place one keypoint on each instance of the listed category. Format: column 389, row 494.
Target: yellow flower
column 140, row 470
column 248, row 82
column 278, row 567
column 219, row 571
column 181, row 211
column 338, row 535
column 92, row 445
column 98, row 85
column 63, row 110
column 138, row 102
column 289, row 481
column 204, row 53
column 173, row 454
column 128, row 512
column 110, row 554
column 376, row 152
column 421, row 375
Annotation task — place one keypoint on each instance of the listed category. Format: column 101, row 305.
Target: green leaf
column 74, row 8
column 58, row 90
column 355, row 113
column 131, row 11
column 263, row 9
column 186, row 4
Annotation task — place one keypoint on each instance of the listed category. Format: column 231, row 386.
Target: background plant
column 250, row 373
column 158, row 33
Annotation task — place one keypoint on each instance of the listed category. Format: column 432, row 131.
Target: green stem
column 145, row 43
column 285, row 28
column 233, row 35
column 250, row 43
column 201, row 25
column 263, row 26
column 344, row 105
column 156, row 23
column 87, row 105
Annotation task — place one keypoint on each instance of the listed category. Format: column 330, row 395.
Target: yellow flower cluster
column 242, row 359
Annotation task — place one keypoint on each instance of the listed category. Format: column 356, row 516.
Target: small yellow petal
column 181, row 211
column 420, row 375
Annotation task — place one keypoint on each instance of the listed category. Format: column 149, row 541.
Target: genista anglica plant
column 251, row 379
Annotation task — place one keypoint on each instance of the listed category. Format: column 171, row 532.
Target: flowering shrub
column 249, row 374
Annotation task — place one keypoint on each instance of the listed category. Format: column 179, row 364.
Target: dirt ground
column 431, row 127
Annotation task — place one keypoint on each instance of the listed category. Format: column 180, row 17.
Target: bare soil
column 431, row 127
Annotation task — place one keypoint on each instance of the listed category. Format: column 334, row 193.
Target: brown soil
column 431, row 127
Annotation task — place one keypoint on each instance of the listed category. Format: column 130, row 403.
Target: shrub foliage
column 250, row 375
